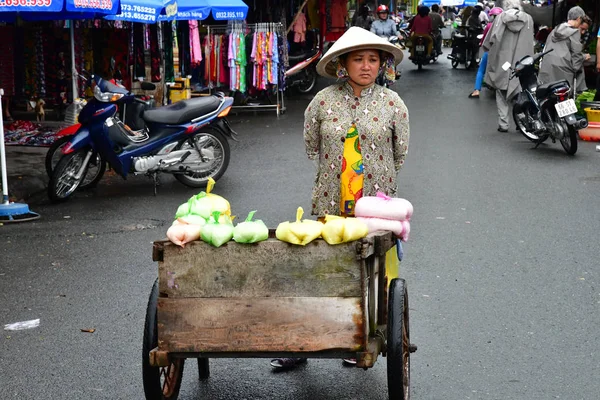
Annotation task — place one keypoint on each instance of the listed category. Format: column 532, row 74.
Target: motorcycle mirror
column 506, row 66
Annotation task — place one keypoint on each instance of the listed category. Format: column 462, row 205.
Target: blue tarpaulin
column 456, row 3
column 228, row 9
column 190, row 10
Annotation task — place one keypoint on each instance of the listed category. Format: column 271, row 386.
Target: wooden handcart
column 272, row 300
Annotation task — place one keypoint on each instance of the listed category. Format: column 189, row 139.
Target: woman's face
column 383, row 16
column 363, row 66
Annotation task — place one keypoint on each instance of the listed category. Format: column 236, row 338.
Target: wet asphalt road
column 502, row 266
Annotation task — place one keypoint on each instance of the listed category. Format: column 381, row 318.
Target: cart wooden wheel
column 203, row 368
column 398, row 342
column 160, row 383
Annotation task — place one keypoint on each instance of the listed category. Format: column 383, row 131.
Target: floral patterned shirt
column 382, row 122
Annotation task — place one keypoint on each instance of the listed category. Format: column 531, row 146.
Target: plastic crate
column 591, row 133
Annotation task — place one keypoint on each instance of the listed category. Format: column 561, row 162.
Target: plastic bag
column 181, row 232
column 250, row 231
column 382, row 206
column 216, row 232
column 204, row 204
column 399, row 228
column 340, row 230
column 299, row 232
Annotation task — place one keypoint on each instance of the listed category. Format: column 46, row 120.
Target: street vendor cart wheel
column 160, row 383
column 398, row 342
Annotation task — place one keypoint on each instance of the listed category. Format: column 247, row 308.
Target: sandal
column 473, row 96
column 350, row 361
column 287, row 363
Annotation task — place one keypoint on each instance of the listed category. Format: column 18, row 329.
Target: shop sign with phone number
column 229, row 15
column 95, row 4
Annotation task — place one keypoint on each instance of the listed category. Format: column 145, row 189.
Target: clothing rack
column 243, row 27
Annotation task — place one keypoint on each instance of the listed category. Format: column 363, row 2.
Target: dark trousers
column 597, row 96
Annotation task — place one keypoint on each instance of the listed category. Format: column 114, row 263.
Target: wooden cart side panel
column 293, row 324
column 271, row 268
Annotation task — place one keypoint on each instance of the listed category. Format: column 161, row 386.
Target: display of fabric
column 27, row 133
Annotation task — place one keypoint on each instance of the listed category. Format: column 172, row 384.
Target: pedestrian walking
column 494, row 12
column 509, row 40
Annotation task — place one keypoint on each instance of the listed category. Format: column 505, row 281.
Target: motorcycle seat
column 183, row 111
column 297, row 58
column 546, row 88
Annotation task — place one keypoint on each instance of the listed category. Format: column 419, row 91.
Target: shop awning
column 145, row 11
column 221, row 10
column 228, row 9
column 39, row 10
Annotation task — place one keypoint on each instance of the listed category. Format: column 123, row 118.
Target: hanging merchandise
column 247, row 58
column 7, row 72
column 139, row 67
column 40, row 76
column 154, row 54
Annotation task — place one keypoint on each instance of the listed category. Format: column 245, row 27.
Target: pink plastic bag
column 382, row 206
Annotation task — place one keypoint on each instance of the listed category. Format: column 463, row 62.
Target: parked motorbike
column 545, row 111
column 187, row 139
column 465, row 47
column 302, row 73
column 420, row 56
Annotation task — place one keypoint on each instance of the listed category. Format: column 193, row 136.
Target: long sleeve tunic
column 382, row 122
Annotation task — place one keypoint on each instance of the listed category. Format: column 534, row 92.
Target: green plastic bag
column 217, row 233
column 250, row 231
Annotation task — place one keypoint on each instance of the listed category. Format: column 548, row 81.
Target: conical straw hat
column 355, row 38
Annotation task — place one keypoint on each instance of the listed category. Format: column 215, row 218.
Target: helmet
column 383, row 9
column 495, row 11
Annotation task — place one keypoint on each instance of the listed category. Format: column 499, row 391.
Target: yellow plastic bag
column 392, row 264
column 204, row 204
column 299, row 232
column 340, row 230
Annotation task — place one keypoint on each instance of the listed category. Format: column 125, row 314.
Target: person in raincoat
column 509, row 40
column 566, row 59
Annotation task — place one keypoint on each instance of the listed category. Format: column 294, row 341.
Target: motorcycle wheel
column 214, row 148
column 454, row 64
column 569, row 141
column 63, row 182
column 309, row 81
column 468, row 59
column 420, row 65
column 95, row 170
column 522, row 128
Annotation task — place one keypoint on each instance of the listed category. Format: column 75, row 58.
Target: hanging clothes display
column 137, row 45
column 154, row 54
column 299, row 28
column 168, row 46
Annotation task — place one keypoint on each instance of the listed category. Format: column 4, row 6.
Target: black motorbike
column 465, row 45
column 420, row 56
column 545, row 111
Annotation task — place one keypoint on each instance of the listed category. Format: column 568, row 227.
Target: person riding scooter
column 422, row 26
column 384, row 26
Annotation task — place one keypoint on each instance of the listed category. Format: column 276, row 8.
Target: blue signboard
column 228, row 9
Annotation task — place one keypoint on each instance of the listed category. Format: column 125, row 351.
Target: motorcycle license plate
column 420, row 47
column 565, row 108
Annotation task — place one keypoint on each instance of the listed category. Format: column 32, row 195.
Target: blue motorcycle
column 187, row 139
